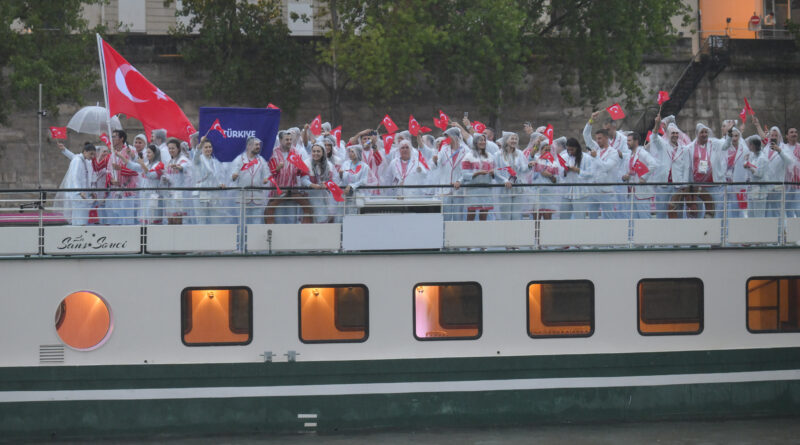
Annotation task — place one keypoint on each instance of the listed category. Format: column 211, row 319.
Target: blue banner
column 239, row 124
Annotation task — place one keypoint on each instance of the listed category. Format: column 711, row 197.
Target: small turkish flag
column 663, row 96
column 337, row 133
column 106, row 140
column 639, row 168
column 413, row 125
column 388, row 140
column 316, row 126
column 747, row 108
column 442, row 121
column 216, row 126
column 510, row 170
column 422, row 160
column 297, row 161
column 616, row 112
column 58, row 132
column 391, row 127
column 741, row 197
column 275, row 183
column 445, row 141
column 562, row 161
column 250, row 164
column 548, row 156
column 649, row 135
column 335, row 190
column 478, row 127
column 549, row 133
column 743, row 115
column 271, row 106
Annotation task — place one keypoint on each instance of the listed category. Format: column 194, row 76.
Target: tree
column 245, row 48
column 49, row 43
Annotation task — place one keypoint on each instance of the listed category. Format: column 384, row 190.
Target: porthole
column 83, row 320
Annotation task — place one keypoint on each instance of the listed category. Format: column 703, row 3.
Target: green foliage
column 246, row 49
column 44, row 42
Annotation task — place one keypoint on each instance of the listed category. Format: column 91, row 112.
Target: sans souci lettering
column 231, row 133
column 87, row 241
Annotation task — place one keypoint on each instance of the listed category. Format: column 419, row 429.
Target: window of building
column 773, row 304
column 217, row 316
column 83, row 320
column 447, row 311
column 333, row 313
column 560, row 309
column 670, row 306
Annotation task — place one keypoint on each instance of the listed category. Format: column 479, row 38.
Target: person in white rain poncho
column 448, row 163
column 605, row 164
column 707, row 163
column 780, row 160
column 208, row 172
column 321, row 170
column 249, row 169
column 508, row 164
column 150, row 169
column 177, row 174
column 477, row 168
column 737, row 152
column 546, row 169
column 672, row 167
column 576, row 199
column 639, row 168
column 353, row 175
column 757, row 165
column 76, row 204
column 793, row 174
column 406, row 169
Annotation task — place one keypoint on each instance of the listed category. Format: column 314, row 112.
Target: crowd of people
column 476, row 175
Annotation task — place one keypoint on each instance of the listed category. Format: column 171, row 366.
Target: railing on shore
column 524, row 216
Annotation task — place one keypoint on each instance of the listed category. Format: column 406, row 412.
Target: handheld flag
column 316, row 126
column 106, row 140
column 275, row 183
column 216, row 126
column 442, row 121
column 747, row 108
column 510, row 170
column 413, row 125
column 337, row 133
column 663, row 96
column 616, row 112
column 297, row 161
column 422, row 160
column 335, row 190
column 271, row 106
column 391, row 127
column 58, row 132
column 130, row 93
column 548, row 156
column 743, row 115
column 549, row 133
column 388, row 140
column 478, row 127
column 562, row 162
column 640, row 168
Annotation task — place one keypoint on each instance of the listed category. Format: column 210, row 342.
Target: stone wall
column 765, row 76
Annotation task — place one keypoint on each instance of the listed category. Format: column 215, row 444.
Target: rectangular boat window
column 560, row 309
column 447, row 311
column 773, row 304
column 216, row 316
column 670, row 306
column 333, row 313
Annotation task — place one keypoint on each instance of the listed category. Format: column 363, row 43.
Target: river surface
column 728, row 432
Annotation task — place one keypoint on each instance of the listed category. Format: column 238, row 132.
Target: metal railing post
column 242, row 222
column 724, row 215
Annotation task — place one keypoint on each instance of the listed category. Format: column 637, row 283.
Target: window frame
column 300, row 314
column 747, row 305
column 229, row 288
column 444, row 283
column 701, row 315
column 528, row 309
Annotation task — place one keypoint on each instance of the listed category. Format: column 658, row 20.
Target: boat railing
column 238, row 221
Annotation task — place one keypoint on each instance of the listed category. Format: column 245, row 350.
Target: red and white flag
column 216, row 126
column 337, row 133
column 422, row 160
column 271, row 106
column 58, row 132
column 335, row 190
column 106, row 140
column 297, row 161
column 316, row 126
column 562, row 162
column 640, row 168
column 478, row 127
column 391, row 127
column 649, row 135
column 616, row 112
column 510, row 170
column 747, row 108
column 413, row 125
column 548, row 156
column 549, row 133
column 131, row 94
column 388, row 140
column 743, row 115
column 442, row 121
column 663, row 96
column 275, row 183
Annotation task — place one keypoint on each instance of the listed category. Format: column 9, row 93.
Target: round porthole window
column 83, row 320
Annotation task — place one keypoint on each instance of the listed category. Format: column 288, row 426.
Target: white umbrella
column 93, row 120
